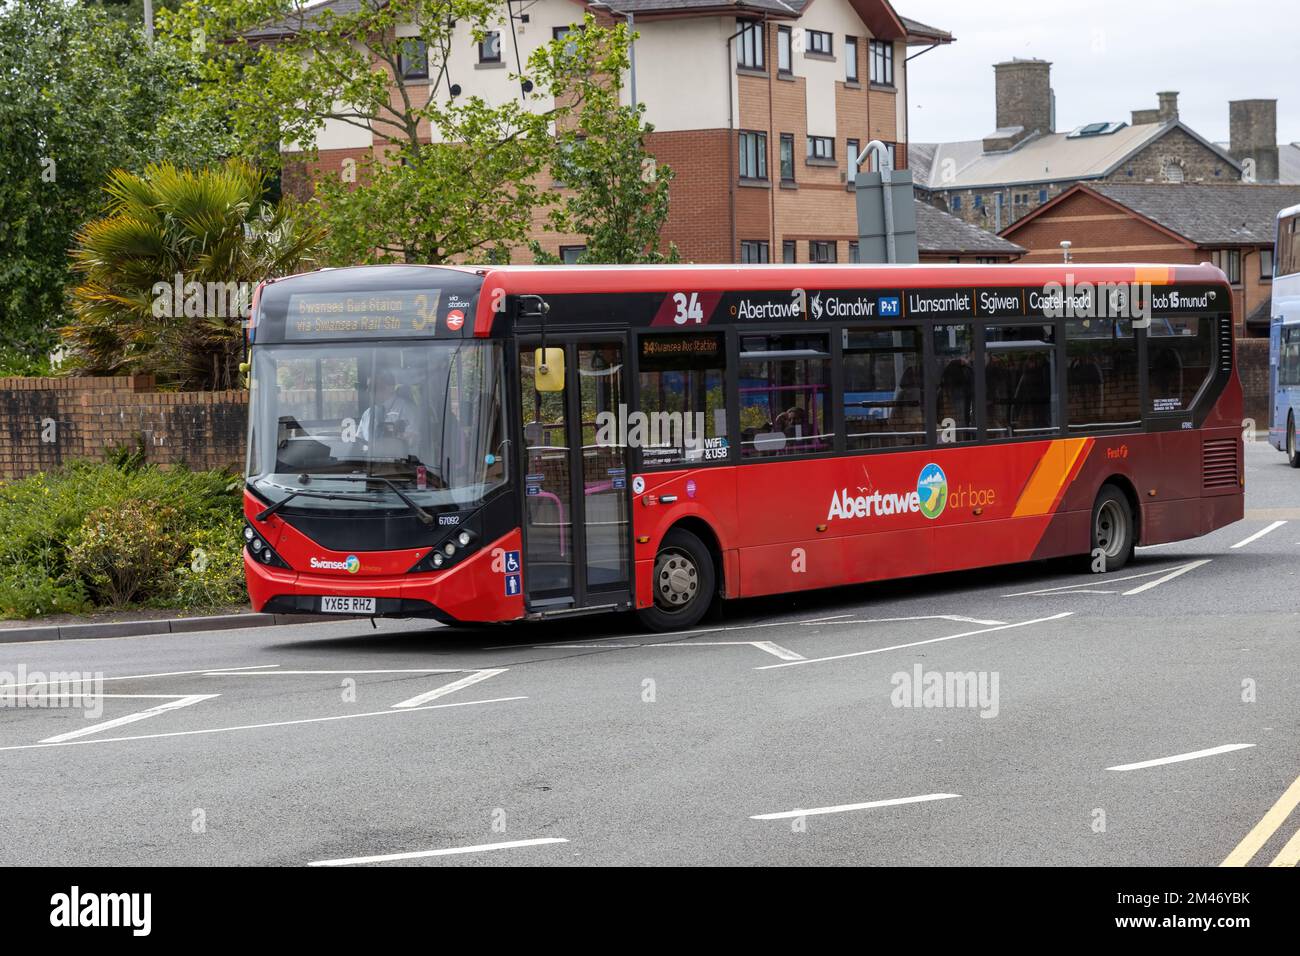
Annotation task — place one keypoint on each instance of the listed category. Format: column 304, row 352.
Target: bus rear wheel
column 1112, row 529
column 1292, row 454
column 684, row 585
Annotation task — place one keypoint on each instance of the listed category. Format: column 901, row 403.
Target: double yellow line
column 1263, row 831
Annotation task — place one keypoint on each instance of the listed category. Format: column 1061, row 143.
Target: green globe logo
column 352, row 564
column 932, row 486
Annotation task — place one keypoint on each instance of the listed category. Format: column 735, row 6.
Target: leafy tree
column 168, row 272
column 80, row 94
column 450, row 177
column 618, row 195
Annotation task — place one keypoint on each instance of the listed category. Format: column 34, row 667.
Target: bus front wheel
column 1112, row 530
column 684, row 583
column 1292, row 454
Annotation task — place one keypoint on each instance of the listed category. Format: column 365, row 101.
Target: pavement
column 1144, row 717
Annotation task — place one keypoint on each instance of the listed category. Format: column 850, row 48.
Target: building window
column 749, row 45
column 413, row 59
column 570, row 255
column 1266, row 263
column 1042, row 195
column 753, row 155
column 489, row 50
column 788, row 251
column 979, row 202
column 1229, row 260
column 783, row 407
column 784, row 57
column 882, row 62
column 821, row 147
column 1020, row 380
column 787, row 157
column 821, row 250
column 956, row 203
column 851, row 150
column 819, row 43
column 854, row 256
column 754, row 250
column 570, row 46
column 851, row 59
column 1101, row 375
column 883, row 405
column 1172, row 172
column 986, row 260
column 685, row 374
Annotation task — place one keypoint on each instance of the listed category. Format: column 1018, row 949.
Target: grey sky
column 1108, row 58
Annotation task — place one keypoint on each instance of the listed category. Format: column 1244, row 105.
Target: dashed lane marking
column 447, row 851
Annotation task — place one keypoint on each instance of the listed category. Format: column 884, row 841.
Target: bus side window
column 953, row 382
column 883, row 398
column 1179, row 356
column 682, row 391
column 784, row 384
column 1101, row 375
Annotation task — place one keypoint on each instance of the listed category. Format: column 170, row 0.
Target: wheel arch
column 1125, row 485
column 697, row 526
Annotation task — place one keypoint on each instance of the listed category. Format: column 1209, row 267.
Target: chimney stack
column 1024, row 102
column 1166, row 112
column 1252, row 135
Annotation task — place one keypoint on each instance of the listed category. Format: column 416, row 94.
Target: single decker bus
column 1284, row 337
column 490, row 444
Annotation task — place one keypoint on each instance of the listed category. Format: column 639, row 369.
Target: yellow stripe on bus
column 1049, row 477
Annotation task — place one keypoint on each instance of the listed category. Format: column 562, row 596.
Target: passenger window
column 1101, row 375
column 1179, row 355
column 953, row 383
column 1020, row 380
column 682, row 389
column 883, row 400
column 783, row 384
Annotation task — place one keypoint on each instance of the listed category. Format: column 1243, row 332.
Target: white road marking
column 1082, row 587
column 1168, row 577
column 784, row 653
column 278, row 723
column 449, row 851
column 702, row 630
column 407, row 670
column 130, row 718
column 86, row 680
column 960, row 619
column 451, row 688
column 1179, row 758
column 845, row 807
column 898, row 647
column 1259, row 534
column 768, row 647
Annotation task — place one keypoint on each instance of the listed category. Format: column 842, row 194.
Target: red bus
column 500, row 443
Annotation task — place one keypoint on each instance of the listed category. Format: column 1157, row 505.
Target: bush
column 213, row 574
column 114, row 532
column 126, row 551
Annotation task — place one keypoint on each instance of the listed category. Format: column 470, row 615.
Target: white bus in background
column 1284, row 337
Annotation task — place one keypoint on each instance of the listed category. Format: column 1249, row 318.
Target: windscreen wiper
column 262, row 516
column 424, row 516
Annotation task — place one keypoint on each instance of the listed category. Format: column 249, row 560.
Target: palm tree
column 167, row 272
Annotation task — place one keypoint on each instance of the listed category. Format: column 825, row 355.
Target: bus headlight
column 260, row 551
column 464, row 538
column 438, row 559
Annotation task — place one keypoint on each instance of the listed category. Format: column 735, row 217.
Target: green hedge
column 119, row 534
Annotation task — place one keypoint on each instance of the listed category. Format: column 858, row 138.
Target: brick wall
column 1252, row 367
column 45, row 422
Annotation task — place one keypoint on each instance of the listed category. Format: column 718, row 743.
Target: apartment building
column 758, row 106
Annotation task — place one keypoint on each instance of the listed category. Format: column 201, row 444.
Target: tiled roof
column 938, row 231
column 1207, row 214
column 1053, row 157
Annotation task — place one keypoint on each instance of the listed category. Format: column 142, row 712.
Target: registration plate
column 347, row 605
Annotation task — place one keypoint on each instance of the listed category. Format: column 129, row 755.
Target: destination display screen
column 393, row 312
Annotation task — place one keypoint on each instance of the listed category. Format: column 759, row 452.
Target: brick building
column 1025, row 162
column 1231, row 225
column 757, row 106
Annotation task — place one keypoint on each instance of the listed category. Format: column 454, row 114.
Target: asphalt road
column 325, row 742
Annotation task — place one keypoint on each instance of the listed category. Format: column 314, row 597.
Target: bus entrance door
column 577, row 539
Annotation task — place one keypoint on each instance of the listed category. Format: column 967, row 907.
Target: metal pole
column 631, row 52
column 886, row 178
column 148, row 20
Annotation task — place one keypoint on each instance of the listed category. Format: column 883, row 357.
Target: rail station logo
column 932, row 487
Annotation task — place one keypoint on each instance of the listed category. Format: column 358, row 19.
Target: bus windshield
column 347, row 425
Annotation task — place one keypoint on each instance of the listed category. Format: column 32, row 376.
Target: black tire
column 1292, row 445
column 1113, row 530
column 685, row 583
